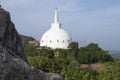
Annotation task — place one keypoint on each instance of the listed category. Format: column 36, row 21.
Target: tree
column 68, row 65
column 73, row 46
column 92, row 54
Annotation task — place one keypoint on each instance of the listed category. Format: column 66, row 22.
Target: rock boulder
column 9, row 37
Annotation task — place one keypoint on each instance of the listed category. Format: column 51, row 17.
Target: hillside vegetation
column 26, row 39
column 85, row 63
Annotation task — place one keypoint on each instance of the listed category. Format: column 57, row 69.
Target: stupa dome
column 55, row 37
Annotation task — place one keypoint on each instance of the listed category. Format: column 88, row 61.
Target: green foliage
column 73, row 45
column 73, row 49
column 112, row 71
column 92, row 54
column 26, row 39
column 43, row 63
column 67, row 63
column 61, row 53
column 36, row 51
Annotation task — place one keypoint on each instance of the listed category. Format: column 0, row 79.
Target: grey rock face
column 12, row 67
column 13, row 62
column 9, row 37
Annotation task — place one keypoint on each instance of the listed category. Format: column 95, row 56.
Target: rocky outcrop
column 12, row 67
column 13, row 62
column 9, row 37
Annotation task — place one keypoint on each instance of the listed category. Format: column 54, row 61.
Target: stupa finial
column 56, row 16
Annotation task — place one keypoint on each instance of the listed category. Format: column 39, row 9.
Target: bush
column 92, row 54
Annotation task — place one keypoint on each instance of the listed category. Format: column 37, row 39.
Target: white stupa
column 55, row 37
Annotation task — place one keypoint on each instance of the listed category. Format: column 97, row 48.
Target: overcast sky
column 96, row 21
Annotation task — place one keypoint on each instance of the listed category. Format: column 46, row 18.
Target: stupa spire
column 56, row 16
column 56, row 23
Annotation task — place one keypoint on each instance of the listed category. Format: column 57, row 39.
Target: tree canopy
column 92, row 54
column 66, row 62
